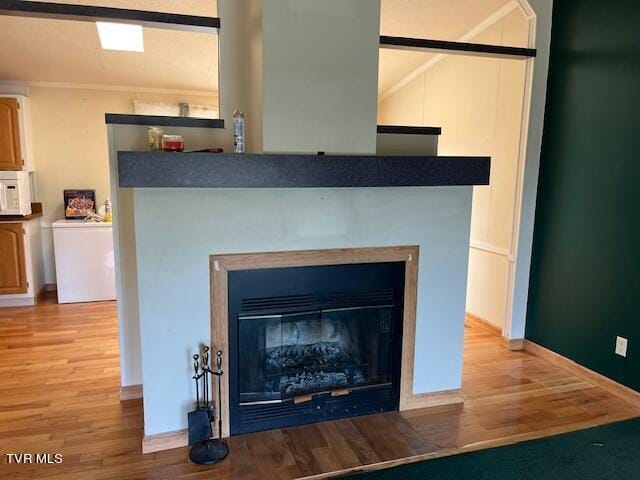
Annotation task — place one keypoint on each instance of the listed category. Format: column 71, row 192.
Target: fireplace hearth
column 316, row 343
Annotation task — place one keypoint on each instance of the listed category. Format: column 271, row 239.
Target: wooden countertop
column 36, row 212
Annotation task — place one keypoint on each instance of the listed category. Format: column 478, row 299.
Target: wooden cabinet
column 13, row 269
column 15, row 133
column 21, row 262
column 10, row 144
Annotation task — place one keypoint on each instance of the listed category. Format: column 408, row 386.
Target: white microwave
column 15, row 193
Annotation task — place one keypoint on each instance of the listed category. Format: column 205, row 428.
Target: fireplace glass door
column 316, row 343
column 283, row 356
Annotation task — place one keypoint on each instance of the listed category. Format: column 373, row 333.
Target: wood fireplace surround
column 221, row 265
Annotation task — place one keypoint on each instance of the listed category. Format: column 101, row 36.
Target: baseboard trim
column 483, row 324
column 434, row 399
column 165, row 441
column 50, row 287
column 130, row 392
column 18, row 302
column 513, row 344
column 595, row 378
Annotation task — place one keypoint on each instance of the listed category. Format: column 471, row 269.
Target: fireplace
column 313, row 343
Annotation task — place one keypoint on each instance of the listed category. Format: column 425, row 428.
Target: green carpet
column 607, row 452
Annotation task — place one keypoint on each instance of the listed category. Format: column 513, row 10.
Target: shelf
column 162, row 121
column 409, row 130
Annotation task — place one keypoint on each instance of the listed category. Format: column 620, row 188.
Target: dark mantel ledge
column 228, row 170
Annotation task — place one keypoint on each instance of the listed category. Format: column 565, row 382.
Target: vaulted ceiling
column 432, row 19
column 70, row 52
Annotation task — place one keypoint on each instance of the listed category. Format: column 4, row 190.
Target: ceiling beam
column 88, row 13
column 459, row 48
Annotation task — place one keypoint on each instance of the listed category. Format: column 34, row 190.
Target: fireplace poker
column 205, row 378
column 218, row 374
column 196, row 377
column 199, row 420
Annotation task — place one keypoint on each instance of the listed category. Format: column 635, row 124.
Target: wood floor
column 59, row 393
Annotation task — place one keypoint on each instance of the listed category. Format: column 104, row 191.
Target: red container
column 172, row 143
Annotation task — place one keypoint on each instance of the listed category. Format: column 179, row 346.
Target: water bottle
column 238, row 131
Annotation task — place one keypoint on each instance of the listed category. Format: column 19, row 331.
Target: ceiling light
column 120, row 36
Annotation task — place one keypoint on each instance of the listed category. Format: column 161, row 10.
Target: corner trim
column 165, row 441
column 130, row 392
column 621, row 391
column 433, row 399
column 513, row 344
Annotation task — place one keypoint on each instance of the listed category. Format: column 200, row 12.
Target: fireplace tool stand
column 206, row 450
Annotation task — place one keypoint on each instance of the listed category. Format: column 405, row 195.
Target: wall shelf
column 409, row 130
column 162, row 121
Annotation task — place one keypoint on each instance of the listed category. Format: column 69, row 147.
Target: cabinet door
column 13, row 272
column 10, row 154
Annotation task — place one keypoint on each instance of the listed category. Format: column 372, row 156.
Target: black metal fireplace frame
column 311, row 288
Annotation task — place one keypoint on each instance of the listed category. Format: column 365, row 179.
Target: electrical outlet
column 621, row 346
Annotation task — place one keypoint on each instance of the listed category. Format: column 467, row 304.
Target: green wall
column 585, row 277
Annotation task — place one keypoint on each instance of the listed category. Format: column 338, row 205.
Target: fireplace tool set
column 206, row 450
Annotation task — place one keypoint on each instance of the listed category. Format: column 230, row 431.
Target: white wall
column 478, row 103
column 70, row 145
column 173, row 268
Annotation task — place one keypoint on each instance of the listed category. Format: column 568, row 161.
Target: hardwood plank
column 339, row 445
column 359, row 444
column 589, row 375
column 304, row 457
column 418, row 444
